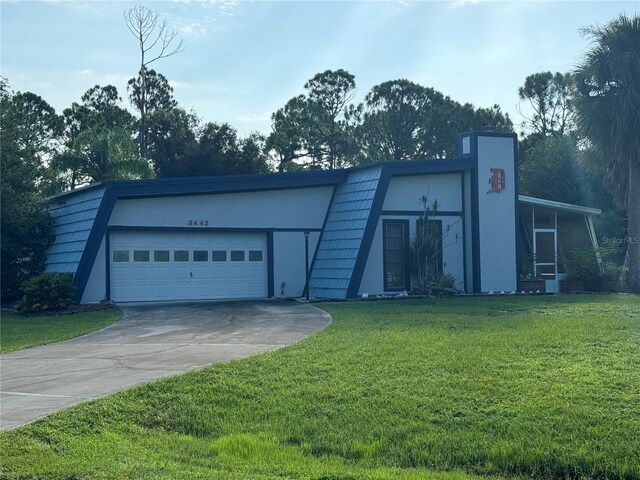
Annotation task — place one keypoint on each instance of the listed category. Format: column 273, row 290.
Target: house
column 347, row 231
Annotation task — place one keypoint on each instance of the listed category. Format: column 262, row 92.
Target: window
column 237, row 255
column 141, row 255
column 181, row 256
column 200, row 255
column 121, row 255
column 161, row 256
column 255, row 255
column 219, row 256
column 396, row 242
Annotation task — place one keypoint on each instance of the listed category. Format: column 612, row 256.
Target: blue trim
column 407, row 273
column 124, row 228
column 107, row 254
column 322, row 230
column 475, row 217
column 427, row 167
column 419, row 213
column 516, row 177
column 464, row 235
column 369, row 232
column 270, row 264
column 219, row 184
column 267, row 181
column 90, row 253
column 418, row 166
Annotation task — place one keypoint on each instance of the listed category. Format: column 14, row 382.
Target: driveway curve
column 151, row 341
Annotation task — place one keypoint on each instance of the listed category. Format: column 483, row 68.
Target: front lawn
column 22, row 331
column 536, row 387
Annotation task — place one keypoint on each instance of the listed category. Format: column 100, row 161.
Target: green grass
column 545, row 387
column 20, row 331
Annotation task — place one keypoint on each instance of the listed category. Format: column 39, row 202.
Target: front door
column 545, row 247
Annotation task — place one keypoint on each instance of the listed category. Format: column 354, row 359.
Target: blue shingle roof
column 74, row 217
column 342, row 236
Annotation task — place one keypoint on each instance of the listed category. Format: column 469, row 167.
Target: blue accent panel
column 340, row 246
column 98, row 230
column 107, row 260
column 464, row 235
column 74, row 217
column 475, row 218
column 315, row 253
column 124, row 228
column 516, row 173
column 370, row 231
column 419, row 213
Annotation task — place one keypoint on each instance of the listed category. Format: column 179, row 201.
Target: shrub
column 47, row 292
column 582, row 266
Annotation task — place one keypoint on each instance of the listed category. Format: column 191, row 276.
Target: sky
column 245, row 59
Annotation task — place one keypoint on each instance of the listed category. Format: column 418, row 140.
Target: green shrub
column 47, row 292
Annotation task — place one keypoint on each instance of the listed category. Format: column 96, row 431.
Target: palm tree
column 102, row 154
column 608, row 115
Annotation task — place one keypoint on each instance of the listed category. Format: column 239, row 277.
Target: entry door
column 545, row 254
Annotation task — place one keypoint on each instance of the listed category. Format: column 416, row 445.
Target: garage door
column 187, row 266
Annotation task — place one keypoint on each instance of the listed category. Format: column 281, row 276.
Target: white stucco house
column 347, row 231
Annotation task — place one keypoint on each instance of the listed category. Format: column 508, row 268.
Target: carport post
column 306, row 264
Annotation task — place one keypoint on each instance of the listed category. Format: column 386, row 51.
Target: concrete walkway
column 150, row 342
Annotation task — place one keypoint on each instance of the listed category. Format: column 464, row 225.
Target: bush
column 582, row 266
column 47, row 292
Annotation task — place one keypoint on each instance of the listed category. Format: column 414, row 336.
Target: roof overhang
column 567, row 207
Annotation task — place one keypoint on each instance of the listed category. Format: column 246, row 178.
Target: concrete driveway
column 151, row 341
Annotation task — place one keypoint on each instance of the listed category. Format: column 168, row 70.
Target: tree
column 551, row 99
column 155, row 41
column 607, row 105
column 28, row 127
column 172, row 141
column 395, row 116
column 328, row 96
column 219, row 152
column 99, row 108
column 158, row 94
column 550, row 170
column 287, row 138
column 99, row 154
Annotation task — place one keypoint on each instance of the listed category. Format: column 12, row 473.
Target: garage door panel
column 156, row 275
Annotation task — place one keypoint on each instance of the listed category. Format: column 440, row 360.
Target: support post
column 306, row 264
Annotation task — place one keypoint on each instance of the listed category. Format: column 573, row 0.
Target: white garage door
column 187, row 266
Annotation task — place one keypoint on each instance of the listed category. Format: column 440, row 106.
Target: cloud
column 202, row 18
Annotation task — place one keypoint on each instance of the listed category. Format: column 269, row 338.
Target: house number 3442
column 195, row 223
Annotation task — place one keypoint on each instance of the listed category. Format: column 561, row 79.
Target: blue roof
column 74, row 218
column 343, row 234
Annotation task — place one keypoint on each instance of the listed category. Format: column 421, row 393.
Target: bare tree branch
column 144, row 25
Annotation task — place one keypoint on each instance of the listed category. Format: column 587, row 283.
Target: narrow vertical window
column 396, row 238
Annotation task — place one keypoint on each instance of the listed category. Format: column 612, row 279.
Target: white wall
column 294, row 208
column 497, row 215
column 452, row 256
column 405, row 193
column 288, row 262
column 96, row 289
